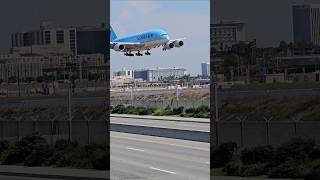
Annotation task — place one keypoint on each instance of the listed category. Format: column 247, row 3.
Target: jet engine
column 118, row 47
column 169, row 46
column 178, row 43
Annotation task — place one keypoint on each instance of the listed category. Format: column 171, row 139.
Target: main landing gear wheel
column 147, row 53
column 128, row 54
column 139, row 54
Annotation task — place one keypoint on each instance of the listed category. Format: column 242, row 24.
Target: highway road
column 154, row 158
column 192, row 126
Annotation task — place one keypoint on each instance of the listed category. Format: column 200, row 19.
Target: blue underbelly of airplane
column 143, row 41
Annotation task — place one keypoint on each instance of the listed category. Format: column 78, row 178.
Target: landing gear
column 147, row 53
column 139, row 54
column 128, row 54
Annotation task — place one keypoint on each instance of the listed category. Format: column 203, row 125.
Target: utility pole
column 131, row 95
column 7, row 80
column 69, row 112
column 19, row 80
column 216, row 105
column 69, row 102
column 177, row 93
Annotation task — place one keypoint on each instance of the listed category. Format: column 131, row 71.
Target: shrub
column 258, row 154
column 177, row 111
column 289, row 169
column 119, row 109
column 158, row 112
column 4, row 145
column 131, row 110
column 39, row 155
column 202, row 108
column 254, row 169
column 315, row 154
column 202, row 115
column 314, row 173
column 34, row 147
column 99, row 159
column 73, row 157
column 190, row 110
column 223, row 154
column 13, row 155
column 297, row 149
column 64, row 144
column 143, row 111
column 232, row 168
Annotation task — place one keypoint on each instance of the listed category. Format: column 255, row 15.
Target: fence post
column 267, row 129
column 241, row 130
column 295, row 126
column 2, row 129
column 51, row 131
column 217, row 133
column 88, row 130
column 18, row 128
column 34, row 128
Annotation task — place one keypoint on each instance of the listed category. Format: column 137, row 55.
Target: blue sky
column 180, row 18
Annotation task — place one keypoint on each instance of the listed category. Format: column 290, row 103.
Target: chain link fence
column 250, row 133
column 82, row 131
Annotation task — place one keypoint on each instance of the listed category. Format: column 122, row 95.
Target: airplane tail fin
column 113, row 35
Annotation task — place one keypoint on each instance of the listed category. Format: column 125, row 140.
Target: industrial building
column 50, row 39
column 159, row 74
column 227, row 33
column 56, row 51
column 205, row 69
column 306, row 23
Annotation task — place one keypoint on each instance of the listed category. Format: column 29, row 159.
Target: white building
column 226, row 33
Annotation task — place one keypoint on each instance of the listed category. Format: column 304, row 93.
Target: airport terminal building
column 159, row 74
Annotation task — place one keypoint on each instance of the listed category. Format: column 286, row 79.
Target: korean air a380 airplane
column 143, row 41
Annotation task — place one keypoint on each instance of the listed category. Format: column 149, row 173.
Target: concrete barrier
column 162, row 132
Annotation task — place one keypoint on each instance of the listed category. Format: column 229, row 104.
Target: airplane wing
column 127, row 45
column 179, row 39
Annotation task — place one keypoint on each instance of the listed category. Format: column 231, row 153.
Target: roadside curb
column 164, row 118
column 53, row 173
column 50, row 176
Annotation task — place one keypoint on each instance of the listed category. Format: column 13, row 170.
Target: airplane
column 143, row 41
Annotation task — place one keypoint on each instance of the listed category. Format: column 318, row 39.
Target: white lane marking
column 162, row 170
column 207, row 162
column 135, row 149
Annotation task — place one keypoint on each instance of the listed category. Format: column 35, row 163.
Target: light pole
column 69, row 102
column 216, row 105
column 7, row 81
column 177, row 93
column 131, row 95
column 19, row 80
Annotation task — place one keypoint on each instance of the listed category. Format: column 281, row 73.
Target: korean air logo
column 145, row 36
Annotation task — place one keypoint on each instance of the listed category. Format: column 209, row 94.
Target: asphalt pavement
column 154, row 158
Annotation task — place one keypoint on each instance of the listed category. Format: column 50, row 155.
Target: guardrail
column 162, row 132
